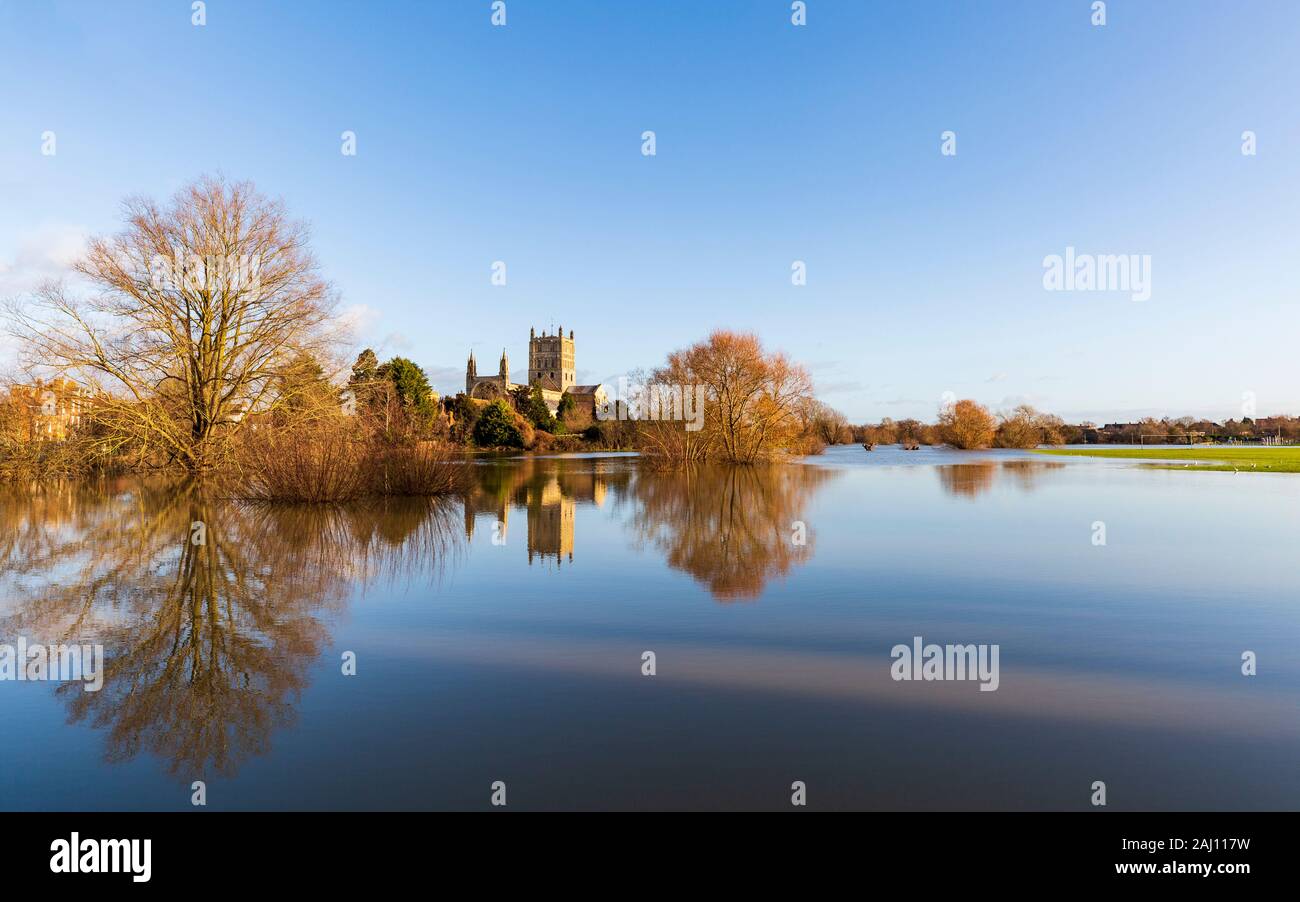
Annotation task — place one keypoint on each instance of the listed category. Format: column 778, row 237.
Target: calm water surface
column 499, row 636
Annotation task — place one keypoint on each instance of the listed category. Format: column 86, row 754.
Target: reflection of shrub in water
column 208, row 645
column 1027, row 472
column 378, row 538
column 967, row 480
column 730, row 527
column 973, row 479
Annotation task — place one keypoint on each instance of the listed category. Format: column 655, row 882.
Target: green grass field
column 1241, row 459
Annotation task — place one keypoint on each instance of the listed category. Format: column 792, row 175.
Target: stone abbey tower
column 550, row 360
column 550, row 364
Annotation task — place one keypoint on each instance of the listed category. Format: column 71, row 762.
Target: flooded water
column 502, row 636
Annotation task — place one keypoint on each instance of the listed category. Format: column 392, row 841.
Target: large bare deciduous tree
column 191, row 320
column 754, row 403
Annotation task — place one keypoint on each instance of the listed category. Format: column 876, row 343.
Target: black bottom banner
column 223, row 850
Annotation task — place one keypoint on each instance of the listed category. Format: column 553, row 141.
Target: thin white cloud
column 842, row 387
column 398, row 342
column 46, row 252
column 1009, row 402
column 359, row 320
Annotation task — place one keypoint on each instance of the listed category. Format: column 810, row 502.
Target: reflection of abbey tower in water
column 550, row 498
column 550, row 522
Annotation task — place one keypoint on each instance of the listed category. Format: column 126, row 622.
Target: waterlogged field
column 1232, row 459
column 588, row 634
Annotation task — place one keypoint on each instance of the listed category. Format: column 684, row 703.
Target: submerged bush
column 1026, row 427
column 336, row 460
column 285, row 465
column 418, row 470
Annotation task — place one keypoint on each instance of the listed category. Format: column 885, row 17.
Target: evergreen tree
column 411, row 384
column 532, row 407
column 364, row 370
column 496, row 427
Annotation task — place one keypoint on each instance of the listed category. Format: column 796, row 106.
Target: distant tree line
column 1184, row 429
column 967, row 424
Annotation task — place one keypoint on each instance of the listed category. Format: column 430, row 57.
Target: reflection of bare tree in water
column 207, row 645
column 733, row 528
column 1026, row 472
column 967, row 480
column 973, row 479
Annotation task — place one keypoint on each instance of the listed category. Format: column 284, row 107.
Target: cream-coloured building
column 45, row 410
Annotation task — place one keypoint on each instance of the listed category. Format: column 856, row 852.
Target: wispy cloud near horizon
column 43, row 254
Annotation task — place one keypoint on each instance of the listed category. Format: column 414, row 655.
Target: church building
column 550, row 365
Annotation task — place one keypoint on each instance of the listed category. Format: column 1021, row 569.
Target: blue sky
column 775, row 143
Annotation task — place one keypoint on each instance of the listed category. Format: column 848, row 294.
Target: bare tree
column 196, row 312
column 755, row 398
column 1019, row 429
column 824, row 422
column 967, row 425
